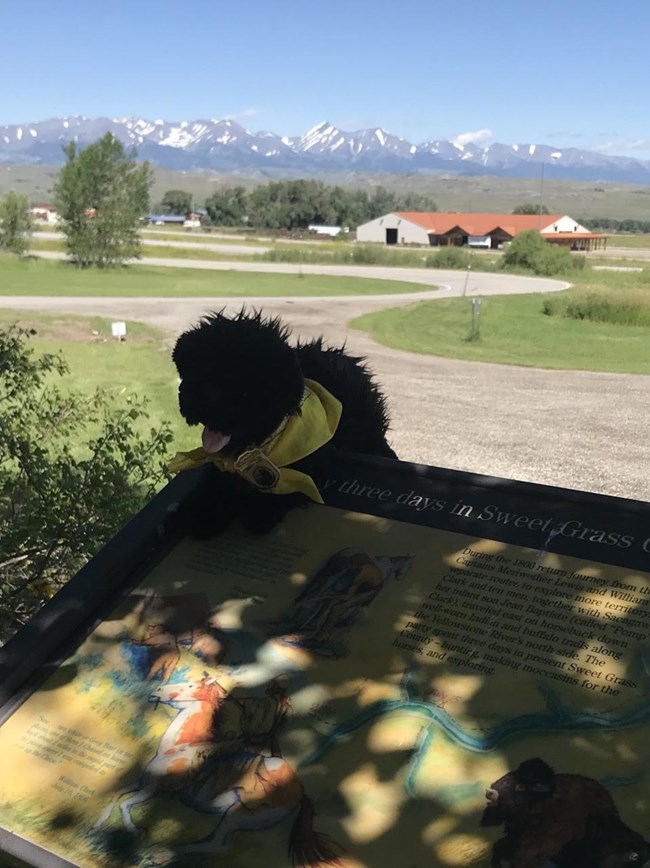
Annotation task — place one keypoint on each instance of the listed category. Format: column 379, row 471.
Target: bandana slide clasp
column 258, row 469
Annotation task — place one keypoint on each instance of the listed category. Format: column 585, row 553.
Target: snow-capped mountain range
column 225, row 146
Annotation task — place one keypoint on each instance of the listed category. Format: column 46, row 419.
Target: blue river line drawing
column 557, row 719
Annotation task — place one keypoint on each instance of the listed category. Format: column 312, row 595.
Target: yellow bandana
column 266, row 466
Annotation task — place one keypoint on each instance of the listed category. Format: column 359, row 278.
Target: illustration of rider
column 220, row 755
column 348, row 581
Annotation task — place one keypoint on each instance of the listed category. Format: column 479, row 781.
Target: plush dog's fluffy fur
column 240, row 378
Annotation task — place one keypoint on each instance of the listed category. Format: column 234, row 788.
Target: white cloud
column 356, row 122
column 474, row 138
column 567, row 134
column 249, row 112
column 623, row 145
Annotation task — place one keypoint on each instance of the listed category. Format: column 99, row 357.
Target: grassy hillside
column 580, row 199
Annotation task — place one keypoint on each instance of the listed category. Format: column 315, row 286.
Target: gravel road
column 575, row 429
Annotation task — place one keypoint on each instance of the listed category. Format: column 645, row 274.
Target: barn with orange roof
column 440, row 228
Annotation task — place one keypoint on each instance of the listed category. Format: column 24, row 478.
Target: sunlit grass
column 512, row 330
column 41, row 277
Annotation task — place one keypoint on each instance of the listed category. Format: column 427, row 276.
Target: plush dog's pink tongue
column 214, row 441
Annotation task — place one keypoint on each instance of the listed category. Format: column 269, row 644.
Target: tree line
column 613, row 225
column 301, row 203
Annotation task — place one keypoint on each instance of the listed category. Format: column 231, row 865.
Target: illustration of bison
column 554, row 819
column 607, row 843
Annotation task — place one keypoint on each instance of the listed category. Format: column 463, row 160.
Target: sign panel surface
column 358, row 690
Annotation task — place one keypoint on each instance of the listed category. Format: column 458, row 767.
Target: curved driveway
column 568, row 428
column 215, row 247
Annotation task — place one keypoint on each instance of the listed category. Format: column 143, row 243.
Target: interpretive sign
column 433, row 669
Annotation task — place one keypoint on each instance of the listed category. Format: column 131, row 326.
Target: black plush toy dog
column 264, row 405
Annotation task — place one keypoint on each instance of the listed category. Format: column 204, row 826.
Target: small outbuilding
column 45, row 214
column 330, row 231
column 193, row 218
column 165, row 219
column 441, row 229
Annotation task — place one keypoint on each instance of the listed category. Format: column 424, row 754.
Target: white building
column 440, row 228
column 45, row 214
column 332, row 231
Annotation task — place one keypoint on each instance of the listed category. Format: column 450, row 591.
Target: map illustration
column 347, row 692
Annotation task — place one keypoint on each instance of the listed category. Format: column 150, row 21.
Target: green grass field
column 322, row 254
column 168, row 251
column 638, row 242
column 195, row 236
column 620, row 262
column 41, row 277
column 513, row 331
column 141, row 364
column 151, row 233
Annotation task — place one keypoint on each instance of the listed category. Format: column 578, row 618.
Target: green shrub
column 522, row 250
column 370, row 254
column 551, row 259
column 459, row 258
column 618, row 307
column 73, row 470
column 532, row 253
column 553, row 307
column 297, row 254
column 450, row 257
column 377, row 254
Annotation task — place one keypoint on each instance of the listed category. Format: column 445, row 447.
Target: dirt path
column 567, row 428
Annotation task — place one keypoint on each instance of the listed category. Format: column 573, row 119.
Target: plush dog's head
column 239, row 379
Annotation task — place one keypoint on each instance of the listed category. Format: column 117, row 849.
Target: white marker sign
column 118, row 329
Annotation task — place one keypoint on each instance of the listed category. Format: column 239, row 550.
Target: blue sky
column 572, row 74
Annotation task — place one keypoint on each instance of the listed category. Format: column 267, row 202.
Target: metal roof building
column 440, row 228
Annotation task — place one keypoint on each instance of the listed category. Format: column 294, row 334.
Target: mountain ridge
column 226, row 146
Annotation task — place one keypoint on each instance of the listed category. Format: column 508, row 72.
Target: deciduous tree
column 176, row 202
column 529, row 208
column 101, row 195
column 15, row 223
column 228, row 207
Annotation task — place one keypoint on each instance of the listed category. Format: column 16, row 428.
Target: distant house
column 48, row 214
column 439, row 228
column 45, row 213
column 193, row 218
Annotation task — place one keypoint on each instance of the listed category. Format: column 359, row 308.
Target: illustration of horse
column 348, row 581
column 220, row 756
